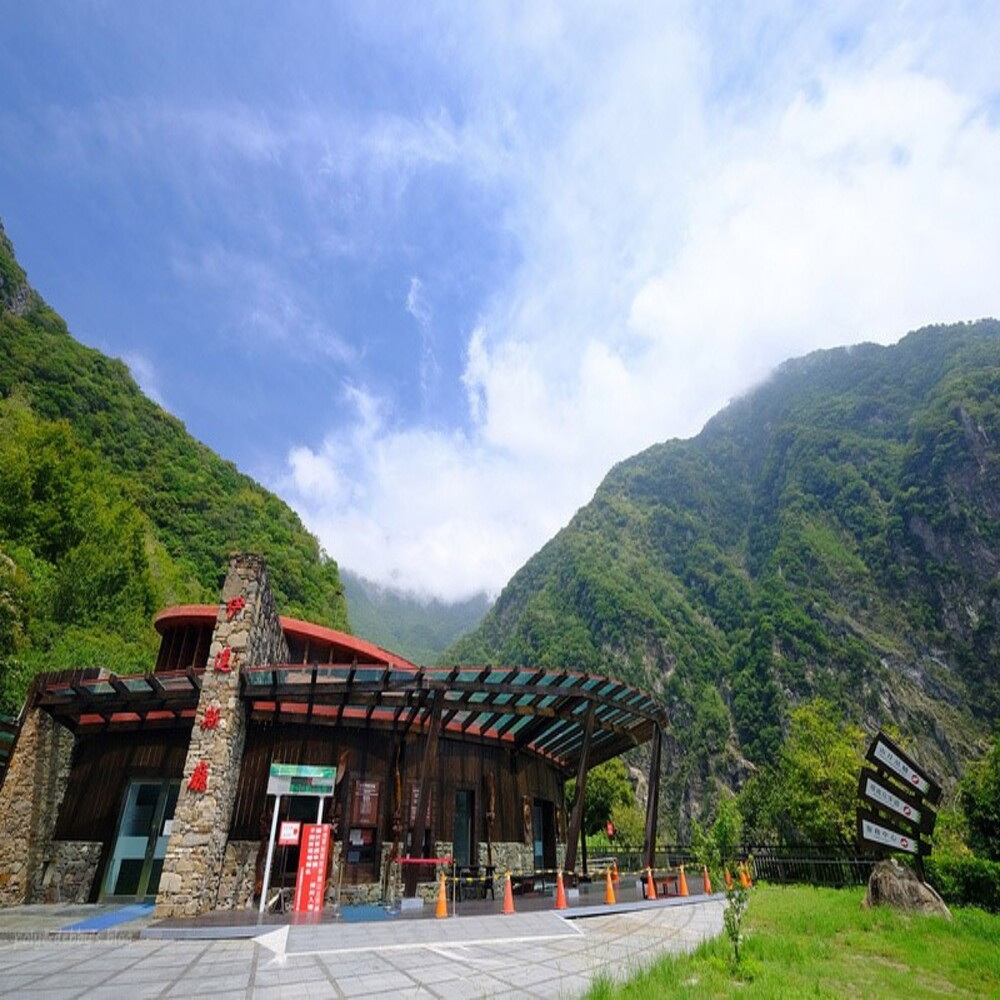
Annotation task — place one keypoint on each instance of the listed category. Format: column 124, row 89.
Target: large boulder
column 893, row 884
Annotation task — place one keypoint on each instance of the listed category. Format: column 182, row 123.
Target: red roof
column 346, row 647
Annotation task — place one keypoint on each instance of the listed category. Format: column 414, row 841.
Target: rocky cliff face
column 833, row 533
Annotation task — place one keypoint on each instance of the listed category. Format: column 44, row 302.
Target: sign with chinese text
column 310, row 881
column 879, row 795
column 364, row 803
column 300, row 779
column 886, row 756
column 872, row 832
column 288, row 834
column 896, row 792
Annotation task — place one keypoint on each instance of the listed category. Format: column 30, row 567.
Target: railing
column 813, row 864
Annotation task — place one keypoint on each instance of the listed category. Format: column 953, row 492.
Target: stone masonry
column 247, row 633
column 30, row 797
column 70, row 872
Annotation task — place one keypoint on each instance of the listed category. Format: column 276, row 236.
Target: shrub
column 966, row 881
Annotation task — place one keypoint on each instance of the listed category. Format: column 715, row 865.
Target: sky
column 428, row 271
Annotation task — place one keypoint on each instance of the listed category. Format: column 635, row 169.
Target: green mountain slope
column 109, row 509
column 836, row 532
column 416, row 628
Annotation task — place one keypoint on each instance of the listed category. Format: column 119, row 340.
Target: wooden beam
column 427, row 772
column 653, row 800
column 576, row 819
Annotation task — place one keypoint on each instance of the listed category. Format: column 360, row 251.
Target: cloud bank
column 687, row 217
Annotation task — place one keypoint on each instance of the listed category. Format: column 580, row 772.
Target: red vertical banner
column 310, row 881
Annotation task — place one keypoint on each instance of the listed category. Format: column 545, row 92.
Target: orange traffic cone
column 609, row 889
column 729, row 880
column 650, row 884
column 614, row 871
column 442, row 903
column 744, row 877
column 508, row 896
column 706, row 881
column 682, row 884
column 561, row 903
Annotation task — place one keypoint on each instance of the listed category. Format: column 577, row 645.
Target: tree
column 819, row 768
column 608, row 786
column 980, row 798
column 810, row 796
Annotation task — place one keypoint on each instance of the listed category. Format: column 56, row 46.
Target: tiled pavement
column 536, row 954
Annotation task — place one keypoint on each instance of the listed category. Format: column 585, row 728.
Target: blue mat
column 112, row 918
column 360, row 913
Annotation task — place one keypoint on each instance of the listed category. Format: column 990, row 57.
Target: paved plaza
column 532, row 954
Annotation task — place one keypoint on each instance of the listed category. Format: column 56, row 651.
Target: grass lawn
column 801, row 941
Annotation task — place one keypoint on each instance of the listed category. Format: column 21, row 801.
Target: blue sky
column 462, row 258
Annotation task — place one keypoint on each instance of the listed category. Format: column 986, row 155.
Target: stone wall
column 239, row 867
column 247, row 633
column 30, row 797
column 70, row 873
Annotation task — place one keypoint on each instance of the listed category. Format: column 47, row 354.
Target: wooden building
column 158, row 783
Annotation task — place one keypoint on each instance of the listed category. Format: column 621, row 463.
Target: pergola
column 573, row 720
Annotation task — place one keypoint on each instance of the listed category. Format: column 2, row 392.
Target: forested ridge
column 834, row 534
column 416, row 627
column 110, row 510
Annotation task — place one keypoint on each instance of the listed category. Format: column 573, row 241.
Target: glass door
column 141, row 840
column 462, row 830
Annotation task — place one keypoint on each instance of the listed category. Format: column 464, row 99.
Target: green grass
column 802, row 941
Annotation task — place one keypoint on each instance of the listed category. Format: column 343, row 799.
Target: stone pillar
column 247, row 633
column 30, row 797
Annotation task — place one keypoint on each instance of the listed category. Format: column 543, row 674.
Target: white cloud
column 144, row 372
column 676, row 245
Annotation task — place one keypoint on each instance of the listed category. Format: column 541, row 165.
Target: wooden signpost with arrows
column 897, row 799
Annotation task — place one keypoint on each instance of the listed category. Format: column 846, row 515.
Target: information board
column 300, row 779
column 310, row 881
column 364, row 803
column 288, row 834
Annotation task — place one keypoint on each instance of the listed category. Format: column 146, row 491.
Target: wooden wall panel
column 102, row 764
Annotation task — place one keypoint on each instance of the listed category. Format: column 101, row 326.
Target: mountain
column 418, row 628
column 835, row 532
column 110, row 510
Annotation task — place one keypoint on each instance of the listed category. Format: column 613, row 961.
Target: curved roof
column 544, row 712
column 550, row 713
column 345, row 647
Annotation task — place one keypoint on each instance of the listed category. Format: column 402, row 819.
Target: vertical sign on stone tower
column 247, row 633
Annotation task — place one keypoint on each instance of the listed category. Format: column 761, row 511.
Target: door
column 462, row 831
column 543, row 829
column 141, row 840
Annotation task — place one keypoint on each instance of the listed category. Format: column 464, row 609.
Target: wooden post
column 653, row 800
column 576, row 819
column 427, row 772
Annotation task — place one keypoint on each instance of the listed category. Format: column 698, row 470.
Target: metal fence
column 812, row 864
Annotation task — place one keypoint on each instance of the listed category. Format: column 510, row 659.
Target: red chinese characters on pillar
column 211, row 718
column 234, row 606
column 199, row 777
column 222, row 660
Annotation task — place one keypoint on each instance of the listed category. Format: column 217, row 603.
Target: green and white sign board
column 300, row 779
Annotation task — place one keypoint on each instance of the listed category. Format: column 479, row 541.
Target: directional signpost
column 897, row 796
column 294, row 779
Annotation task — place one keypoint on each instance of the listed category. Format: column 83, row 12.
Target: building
column 155, row 786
